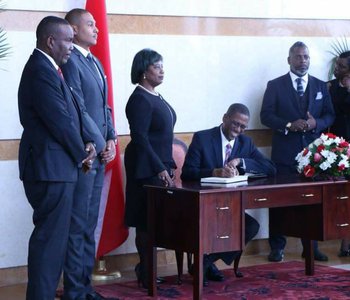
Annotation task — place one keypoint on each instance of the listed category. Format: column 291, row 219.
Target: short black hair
column 297, row 44
column 238, row 108
column 48, row 26
column 142, row 60
column 346, row 55
column 74, row 15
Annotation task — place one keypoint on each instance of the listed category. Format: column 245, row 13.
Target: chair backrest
column 179, row 153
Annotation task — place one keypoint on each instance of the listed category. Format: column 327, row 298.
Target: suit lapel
column 93, row 72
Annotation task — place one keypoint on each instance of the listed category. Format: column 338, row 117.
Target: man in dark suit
column 298, row 107
column 208, row 155
column 55, row 141
column 84, row 73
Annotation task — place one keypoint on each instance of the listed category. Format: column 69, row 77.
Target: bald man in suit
column 297, row 113
column 84, row 73
column 58, row 138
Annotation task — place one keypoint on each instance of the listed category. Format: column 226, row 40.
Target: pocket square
column 319, row 96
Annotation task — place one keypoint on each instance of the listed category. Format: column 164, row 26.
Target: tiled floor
column 17, row 292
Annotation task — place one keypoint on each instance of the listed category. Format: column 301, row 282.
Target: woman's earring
column 144, row 76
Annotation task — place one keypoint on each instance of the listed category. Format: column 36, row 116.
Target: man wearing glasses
column 224, row 151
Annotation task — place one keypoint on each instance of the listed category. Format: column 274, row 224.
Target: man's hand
column 234, row 162
column 226, row 171
column 108, row 154
column 88, row 161
column 310, row 121
column 299, row 125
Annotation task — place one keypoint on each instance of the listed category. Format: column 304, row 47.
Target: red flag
column 111, row 231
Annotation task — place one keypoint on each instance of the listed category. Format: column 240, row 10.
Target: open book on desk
column 224, row 180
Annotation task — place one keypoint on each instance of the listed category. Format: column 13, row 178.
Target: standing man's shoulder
column 279, row 79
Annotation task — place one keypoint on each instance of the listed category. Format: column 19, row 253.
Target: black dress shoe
column 160, row 280
column 344, row 253
column 318, row 255
column 205, row 279
column 276, row 255
column 214, row 274
column 94, row 296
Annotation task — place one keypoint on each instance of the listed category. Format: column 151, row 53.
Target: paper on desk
column 224, row 180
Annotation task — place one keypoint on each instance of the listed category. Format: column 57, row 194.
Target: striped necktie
column 300, row 89
column 227, row 153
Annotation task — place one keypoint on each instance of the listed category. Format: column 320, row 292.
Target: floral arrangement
column 328, row 155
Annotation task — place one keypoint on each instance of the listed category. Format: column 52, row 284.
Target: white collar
column 81, row 50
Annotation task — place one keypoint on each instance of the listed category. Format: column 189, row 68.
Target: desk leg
column 152, row 286
column 198, row 276
column 309, row 258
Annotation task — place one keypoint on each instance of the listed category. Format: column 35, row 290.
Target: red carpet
column 270, row 281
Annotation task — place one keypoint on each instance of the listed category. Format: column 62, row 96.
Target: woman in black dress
column 148, row 156
column 339, row 89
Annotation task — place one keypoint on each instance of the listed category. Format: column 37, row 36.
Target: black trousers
column 251, row 229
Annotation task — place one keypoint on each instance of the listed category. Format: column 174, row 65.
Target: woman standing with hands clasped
column 148, row 156
column 339, row 89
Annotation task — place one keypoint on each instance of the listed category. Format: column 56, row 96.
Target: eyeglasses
column 238, row 125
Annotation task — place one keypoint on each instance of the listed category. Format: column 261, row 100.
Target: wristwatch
column 287, row 128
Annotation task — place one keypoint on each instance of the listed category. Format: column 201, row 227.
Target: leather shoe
column 344, row 253
column 97, row 296
column 275, row 255
column 214, row 274
column 205, row 279
column 318, row 255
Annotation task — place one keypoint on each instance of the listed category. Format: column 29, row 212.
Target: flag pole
column 101, row 273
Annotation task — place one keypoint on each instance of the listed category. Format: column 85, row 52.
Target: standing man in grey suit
column 54, row 143
column 298, row 107
column 84, row 73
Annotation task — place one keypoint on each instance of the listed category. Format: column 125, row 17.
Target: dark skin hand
column 165, row 178
column 304, row 125
column 88, row 161
column 108, row 154
column 229, row 170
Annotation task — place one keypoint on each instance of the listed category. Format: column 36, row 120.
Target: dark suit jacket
column 280, row 106
column 91, row 91
column 53, row 141
column 341, row 102
column 205, row 154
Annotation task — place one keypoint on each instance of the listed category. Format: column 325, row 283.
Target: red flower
column 330, row 135
column 309, row 171
column 343, row 144
column 320, row 148
column 341, row 167
column 306, row 151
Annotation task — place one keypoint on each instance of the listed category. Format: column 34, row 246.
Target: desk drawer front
column 337, row 211
column 222, row 227
column 282, row 197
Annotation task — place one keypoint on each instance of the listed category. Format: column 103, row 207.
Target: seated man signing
column 224, row 151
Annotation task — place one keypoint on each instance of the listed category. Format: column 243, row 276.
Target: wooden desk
column 206, row 219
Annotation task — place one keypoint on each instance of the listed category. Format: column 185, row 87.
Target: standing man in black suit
column 298, row 107
column 208, row 156
column 55, row 141
column 84, row 73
